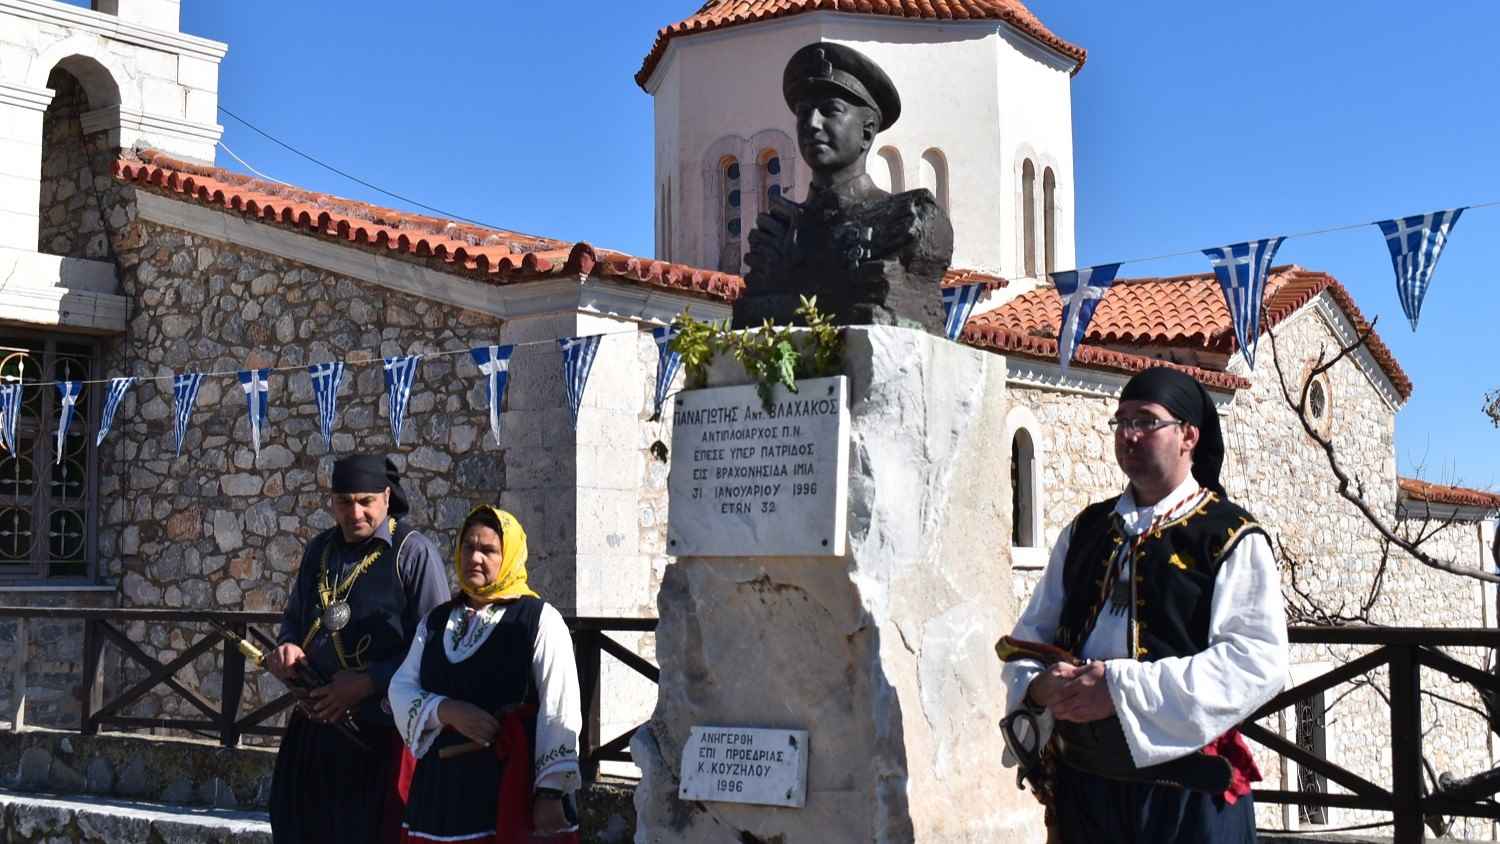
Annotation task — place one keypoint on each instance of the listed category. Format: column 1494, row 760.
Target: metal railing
column 101, row 627
column 1404, row 651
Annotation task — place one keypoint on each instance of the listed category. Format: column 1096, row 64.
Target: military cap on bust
column 843, row 71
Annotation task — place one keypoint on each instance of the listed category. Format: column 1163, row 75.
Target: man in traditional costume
column 362, row 588
column 1169, row 597
column 487, row 701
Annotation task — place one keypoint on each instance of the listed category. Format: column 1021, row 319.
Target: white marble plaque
column 748, row 483
column 745, row 765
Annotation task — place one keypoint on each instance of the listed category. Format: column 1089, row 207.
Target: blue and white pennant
column 1080, row 291
column 494, row 365
column 1415, row 244
column 400, row 371
column 326, row 378
column 67, row 401
column 578, row 359
column 184, row 395
column 114, row 394
column 1241, row 269
column 10, row 409
column 257, row 398
column 668, row 363
column 958, row 303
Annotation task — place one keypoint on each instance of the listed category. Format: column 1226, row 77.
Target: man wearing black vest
column 1169, row 596
column 361, row 590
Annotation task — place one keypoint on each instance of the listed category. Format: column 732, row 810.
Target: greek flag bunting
column 958, row 303
column 257, row 395
column 184, row 395
column 1241, row 269
column 494, row 365
column 112, row 397
column 667, row 364
column 400, row 371
column 326, row 378
column 1415, row 244
column 578, row 359
column 67, row 400
column 1080, row 291
column 10, row 408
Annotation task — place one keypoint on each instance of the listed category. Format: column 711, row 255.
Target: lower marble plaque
column 752, row 480
column 745, row 765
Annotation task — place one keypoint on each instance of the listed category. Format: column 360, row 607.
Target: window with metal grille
column 1312, row 737
column 47, row 498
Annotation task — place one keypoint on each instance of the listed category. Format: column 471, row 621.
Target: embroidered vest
column 377, row 603
column 1174, row 565
column 498, row 673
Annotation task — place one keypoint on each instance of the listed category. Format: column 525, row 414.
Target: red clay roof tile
column 495, row 256
column 1188, row 311
column 1443, row 494
column 720, row 14
column 988, row 334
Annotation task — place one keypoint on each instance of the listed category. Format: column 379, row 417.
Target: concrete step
column 39, row 818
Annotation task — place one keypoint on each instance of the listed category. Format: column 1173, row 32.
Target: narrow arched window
column 935, row 176
column 770, row 177
column 886, row 171
column 1049, row 220
column 1028, row 217
column 731, row 200
column 1023, row 490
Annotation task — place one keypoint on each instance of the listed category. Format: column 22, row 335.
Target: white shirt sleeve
column 560, row 716
column 414, row 708
column 1038, row 623
column 1175, row 706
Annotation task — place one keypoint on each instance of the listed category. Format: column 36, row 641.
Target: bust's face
column 833, row 132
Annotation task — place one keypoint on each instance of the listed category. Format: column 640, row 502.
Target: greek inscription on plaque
column 748, row 481
column 745, row 765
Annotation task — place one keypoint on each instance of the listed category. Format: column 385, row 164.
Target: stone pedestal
column 885, row 655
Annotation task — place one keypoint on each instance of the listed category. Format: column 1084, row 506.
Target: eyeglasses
column 1143, row 425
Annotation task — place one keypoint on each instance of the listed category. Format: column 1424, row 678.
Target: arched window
column 729, row 192
column 1049, row 220
column 1028, row 218
column 72, row 222
column 770, row 176
column 886, row 171
column 1023, row 491
column 934, row 175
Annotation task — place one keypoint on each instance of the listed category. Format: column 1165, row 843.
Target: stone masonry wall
column 76, row 181
column 1276, row 471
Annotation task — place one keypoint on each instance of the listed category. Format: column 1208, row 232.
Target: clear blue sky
column 1195, row 125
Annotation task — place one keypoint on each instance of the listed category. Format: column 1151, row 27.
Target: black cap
column 1188, row 400
column 842, row 71
column 370, row 473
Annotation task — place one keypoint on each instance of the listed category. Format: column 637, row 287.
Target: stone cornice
column 1343, row 330
column 1048, row 375
column 76, row 18
column 64, row 308
column 516, row 300
column 109, row 117
column 24, row 96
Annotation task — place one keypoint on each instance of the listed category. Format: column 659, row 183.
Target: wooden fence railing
column 102, row 627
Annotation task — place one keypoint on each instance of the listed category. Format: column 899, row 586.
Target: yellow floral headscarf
column 510, row 581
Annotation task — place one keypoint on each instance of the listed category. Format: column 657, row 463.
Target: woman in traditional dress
column 487, row 700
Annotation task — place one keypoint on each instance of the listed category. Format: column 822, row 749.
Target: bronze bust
column 871, row 258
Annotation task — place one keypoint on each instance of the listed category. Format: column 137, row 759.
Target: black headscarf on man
column 370, row 473
column 1188, row 401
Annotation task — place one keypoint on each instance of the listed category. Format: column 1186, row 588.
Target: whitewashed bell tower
column 986, row 124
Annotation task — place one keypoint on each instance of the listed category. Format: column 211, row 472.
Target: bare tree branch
column 1351, row 489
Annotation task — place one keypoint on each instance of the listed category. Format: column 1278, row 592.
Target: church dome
column 720, row 14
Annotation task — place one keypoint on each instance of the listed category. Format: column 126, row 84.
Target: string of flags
column 493, row 362
column 1415, row 245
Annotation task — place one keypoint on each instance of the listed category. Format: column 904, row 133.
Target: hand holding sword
column 301, row 677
